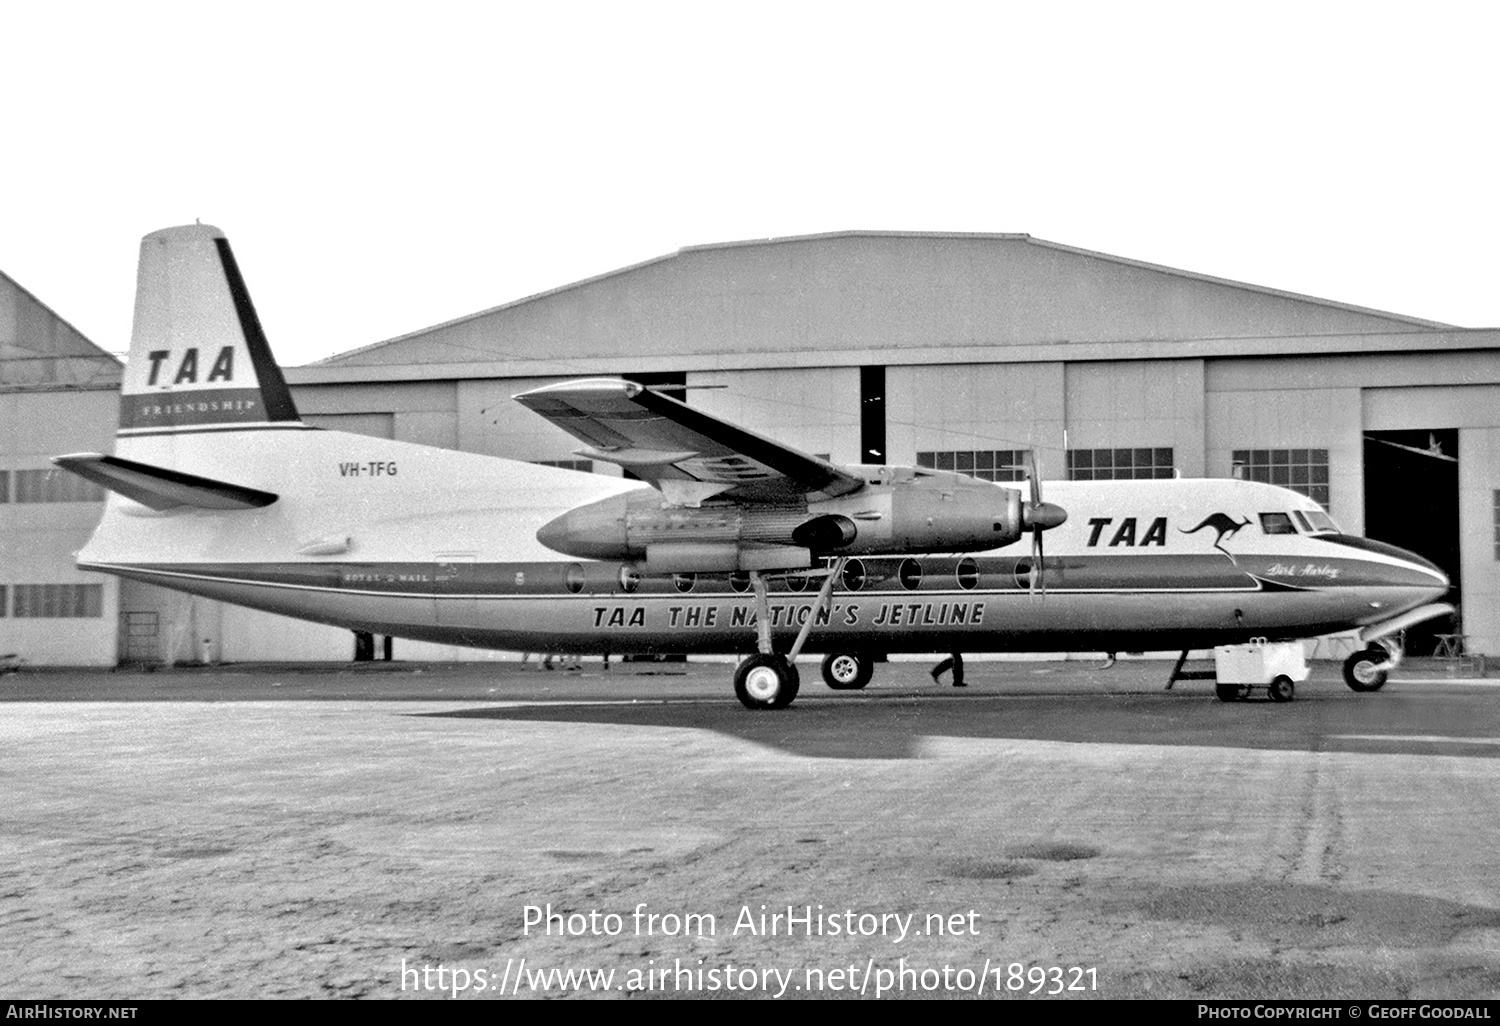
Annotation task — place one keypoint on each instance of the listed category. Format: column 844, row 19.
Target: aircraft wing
column 688, row 454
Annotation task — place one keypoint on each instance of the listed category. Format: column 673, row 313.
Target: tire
column 1282, row 689
column 1229, row 692
column 1360, row 673
column 847, row 671
column 765, row 682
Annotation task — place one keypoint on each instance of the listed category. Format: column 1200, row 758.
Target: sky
column 382, row 167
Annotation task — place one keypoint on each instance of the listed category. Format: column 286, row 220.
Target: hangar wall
column 51, row 613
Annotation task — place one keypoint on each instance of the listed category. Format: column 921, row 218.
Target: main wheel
column 765, row 682
column 1361, row 671
column 1282, row 689
column 846, row 671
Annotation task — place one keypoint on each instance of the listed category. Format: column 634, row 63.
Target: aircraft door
column 455, row 606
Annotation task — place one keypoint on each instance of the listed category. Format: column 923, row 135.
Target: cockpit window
column 1277, row 523
column 1317, row 522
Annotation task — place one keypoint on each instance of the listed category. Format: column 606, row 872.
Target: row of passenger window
column 854, row 578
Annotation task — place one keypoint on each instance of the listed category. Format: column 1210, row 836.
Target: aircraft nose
column 1395, row 567
column 1432, row 576
column 1439, row 574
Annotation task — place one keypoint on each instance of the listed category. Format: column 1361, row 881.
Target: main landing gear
column 768, row 680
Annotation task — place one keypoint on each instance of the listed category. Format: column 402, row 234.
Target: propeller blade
column 1038, row 581
column 1038, row 567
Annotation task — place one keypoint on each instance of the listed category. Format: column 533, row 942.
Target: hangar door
column 1411, row 500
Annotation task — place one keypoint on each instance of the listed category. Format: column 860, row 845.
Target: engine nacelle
column 957, row 519
column 932, row 513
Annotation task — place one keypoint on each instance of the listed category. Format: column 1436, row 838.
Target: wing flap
column 162, row 489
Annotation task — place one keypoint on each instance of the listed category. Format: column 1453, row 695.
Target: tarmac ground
column 483, row 830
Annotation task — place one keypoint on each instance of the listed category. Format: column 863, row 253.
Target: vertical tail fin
column 199, row 360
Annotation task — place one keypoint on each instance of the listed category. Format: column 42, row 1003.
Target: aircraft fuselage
column 1140, row 565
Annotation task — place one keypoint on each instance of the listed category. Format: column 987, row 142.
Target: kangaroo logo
column 1226, row 526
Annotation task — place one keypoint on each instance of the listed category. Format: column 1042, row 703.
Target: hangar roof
column 865, row 297
column 39, row 350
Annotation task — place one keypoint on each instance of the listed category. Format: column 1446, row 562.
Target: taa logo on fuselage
column 222, row 369
column 1125, row 533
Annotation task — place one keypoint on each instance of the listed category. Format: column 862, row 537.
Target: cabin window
column 985, row 464
column 1119, row 464
column 630, row 578
column 854, row 575
column 910, row 574
column 684, row 582
column 740, row 581
column 1497, row 525
column 1301, row 470
column 4, row 486
column 797, row 582
column 1277, row 523
column 967, row 573
column 574, row 578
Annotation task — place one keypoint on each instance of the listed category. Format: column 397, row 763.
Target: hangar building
column 956, row 351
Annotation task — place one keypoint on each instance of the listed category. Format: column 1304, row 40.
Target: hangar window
column 985, row 464
column 587, row 466
column 1119, row 464
column 1301, row 470
column 1277, row 523
column 57, row 601
column 55, row 486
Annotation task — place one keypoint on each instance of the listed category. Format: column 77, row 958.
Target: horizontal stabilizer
column 162, row 489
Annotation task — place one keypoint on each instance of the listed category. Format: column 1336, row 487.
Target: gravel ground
column 310, row 831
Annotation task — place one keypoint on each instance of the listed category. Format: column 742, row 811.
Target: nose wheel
column 1367, row 670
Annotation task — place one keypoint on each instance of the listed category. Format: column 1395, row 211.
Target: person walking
column 954, row 662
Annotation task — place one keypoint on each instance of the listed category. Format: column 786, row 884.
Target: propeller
column 1038, row 516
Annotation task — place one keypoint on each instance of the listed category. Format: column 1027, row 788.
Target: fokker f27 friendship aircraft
column 737, row 543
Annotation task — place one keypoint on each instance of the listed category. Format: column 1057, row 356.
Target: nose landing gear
column 1368, row 670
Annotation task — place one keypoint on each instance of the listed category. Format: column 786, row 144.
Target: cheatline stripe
column 677, row 597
